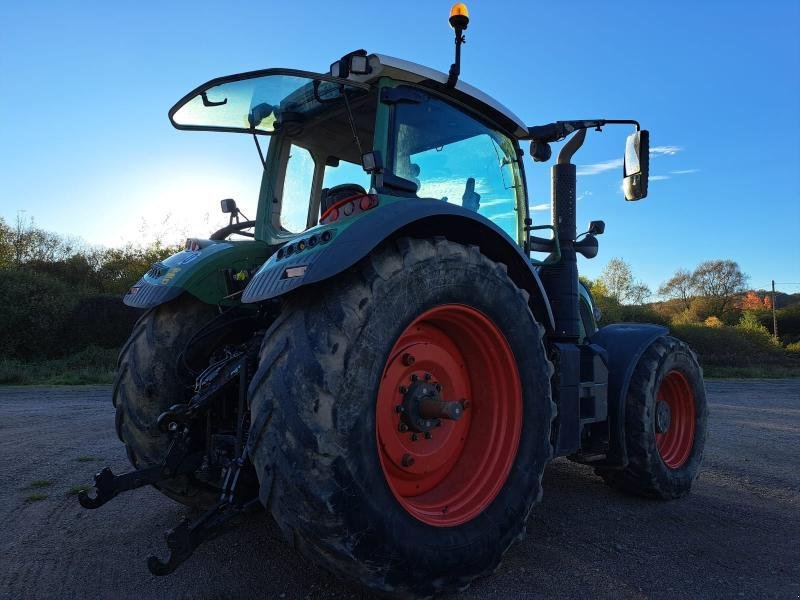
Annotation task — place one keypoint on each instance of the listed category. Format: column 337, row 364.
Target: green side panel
column 211, row 273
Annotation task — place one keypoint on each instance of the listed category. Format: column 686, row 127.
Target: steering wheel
column 234, row 229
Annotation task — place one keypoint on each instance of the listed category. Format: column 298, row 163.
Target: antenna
column 459, row 19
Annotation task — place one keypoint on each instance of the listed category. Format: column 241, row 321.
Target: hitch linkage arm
column 176, row 462
column 187, row 536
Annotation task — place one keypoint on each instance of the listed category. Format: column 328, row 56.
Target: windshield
column 260, row 102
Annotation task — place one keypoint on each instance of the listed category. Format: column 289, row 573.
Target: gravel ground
column 736, row 535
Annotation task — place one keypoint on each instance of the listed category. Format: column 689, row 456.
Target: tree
column 617, row 279
column 26, row 243
column 6, row 244
column 754, row 301
column 618, row 283
column 638, row 293
column 680, row 287
column 721, row 282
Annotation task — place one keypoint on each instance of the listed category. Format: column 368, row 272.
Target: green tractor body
column 384, row 366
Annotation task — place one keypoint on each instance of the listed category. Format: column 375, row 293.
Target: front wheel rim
column 675, row 432
column 446, row 472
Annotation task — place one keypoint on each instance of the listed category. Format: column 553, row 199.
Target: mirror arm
column 554, row 132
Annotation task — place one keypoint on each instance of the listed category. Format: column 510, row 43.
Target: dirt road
column 736, row 535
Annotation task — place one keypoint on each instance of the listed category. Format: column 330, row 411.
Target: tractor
column 386, row 358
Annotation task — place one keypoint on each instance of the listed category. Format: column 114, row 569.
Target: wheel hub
column 663, row 416
column 423, row 409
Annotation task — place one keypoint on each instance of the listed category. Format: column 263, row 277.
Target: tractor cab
column 452, row 144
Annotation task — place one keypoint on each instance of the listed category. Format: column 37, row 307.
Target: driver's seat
column 331, row 196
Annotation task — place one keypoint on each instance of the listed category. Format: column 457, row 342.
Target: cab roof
column 382, row 65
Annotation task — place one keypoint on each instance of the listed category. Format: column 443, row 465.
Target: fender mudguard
column 201, row 272
column 351, row 240
column 624, row 343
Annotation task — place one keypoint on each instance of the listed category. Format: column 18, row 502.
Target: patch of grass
column 87, row 458
column 35, row 497
column 77, row 489
column 41, row 483
column 90, row 365
column 751, row 372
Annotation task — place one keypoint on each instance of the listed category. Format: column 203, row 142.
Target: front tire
column 148, row 383
column 666, row 421
column 338, row 472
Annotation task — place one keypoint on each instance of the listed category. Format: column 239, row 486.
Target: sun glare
column 173, row 206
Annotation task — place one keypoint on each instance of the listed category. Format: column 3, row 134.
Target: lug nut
column 427, row 376
column 438, row 387
column 399, row 408
column 173, row 426
column 403, row 389
column 408, row 359
column 402, row 427
column 414, row 377
column 428, row 435
column 407, row 460
column 414, row 437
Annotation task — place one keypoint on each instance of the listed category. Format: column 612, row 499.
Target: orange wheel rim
column 675, row 419
column 446, row 471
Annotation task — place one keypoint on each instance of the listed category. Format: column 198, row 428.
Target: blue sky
column 87, row 150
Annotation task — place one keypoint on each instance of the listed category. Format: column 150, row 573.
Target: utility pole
column 774, row 317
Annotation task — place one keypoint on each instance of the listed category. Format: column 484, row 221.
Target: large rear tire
column 403, row 511
column 148, row 383
column 666, row 420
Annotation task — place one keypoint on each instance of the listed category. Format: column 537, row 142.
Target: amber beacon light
column 459, row 19
column 459, row 16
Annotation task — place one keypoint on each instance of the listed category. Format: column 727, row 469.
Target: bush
column 34, row 310
column 712, row 321
column 731, row 346
column 749, row 322
column 102, row 321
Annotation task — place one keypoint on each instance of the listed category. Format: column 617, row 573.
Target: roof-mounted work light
column 357, row 63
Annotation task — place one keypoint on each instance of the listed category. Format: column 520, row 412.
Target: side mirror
column 636, row 168
column 228, row 206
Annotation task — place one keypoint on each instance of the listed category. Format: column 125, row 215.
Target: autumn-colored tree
column 754, row 301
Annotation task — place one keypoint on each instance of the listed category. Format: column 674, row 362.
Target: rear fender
column 201, row 272
column 625, row 343
column 355, row 238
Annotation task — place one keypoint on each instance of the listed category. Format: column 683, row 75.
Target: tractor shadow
column 582, row 537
